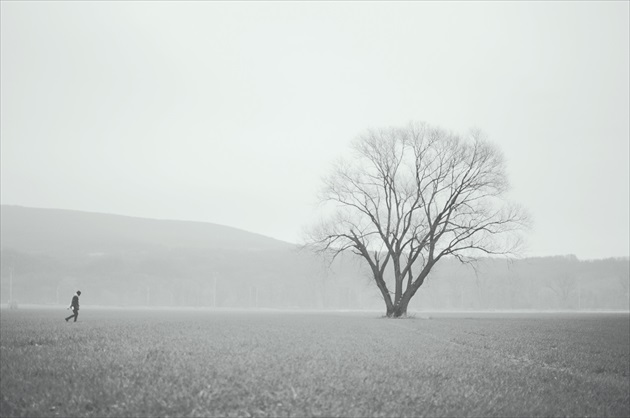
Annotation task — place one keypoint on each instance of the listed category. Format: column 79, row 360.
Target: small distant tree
column 409, row 197
column 563, row 285
column 563, row 282
column 621, row 271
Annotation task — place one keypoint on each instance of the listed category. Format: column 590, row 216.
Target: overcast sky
column 232, row 113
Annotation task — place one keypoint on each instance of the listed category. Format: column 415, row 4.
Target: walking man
column 74, row 305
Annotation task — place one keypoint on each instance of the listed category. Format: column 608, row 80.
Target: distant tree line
column 293, row 279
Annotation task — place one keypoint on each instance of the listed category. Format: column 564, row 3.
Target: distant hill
column 47, row 254
column 56, row 230
column 123, row 260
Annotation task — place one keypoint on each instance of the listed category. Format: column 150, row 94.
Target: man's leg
column 74, row 315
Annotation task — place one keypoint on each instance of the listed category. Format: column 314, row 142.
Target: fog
column 120, row 261
column 553, row 283
column 232, row 112
column 181, row 146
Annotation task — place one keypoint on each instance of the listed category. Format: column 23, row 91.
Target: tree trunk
column 380, row 283
column 398, row 310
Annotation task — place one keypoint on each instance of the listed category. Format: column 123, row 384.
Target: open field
column 210, row 363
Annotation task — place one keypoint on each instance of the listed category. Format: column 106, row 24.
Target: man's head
column 79, row 292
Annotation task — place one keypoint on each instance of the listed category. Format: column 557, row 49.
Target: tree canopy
column 409, row 197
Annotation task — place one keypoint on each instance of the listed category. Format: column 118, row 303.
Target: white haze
column 232, row 112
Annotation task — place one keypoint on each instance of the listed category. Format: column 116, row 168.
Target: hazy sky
column 231, row 113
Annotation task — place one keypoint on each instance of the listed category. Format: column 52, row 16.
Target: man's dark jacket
column 75, row 303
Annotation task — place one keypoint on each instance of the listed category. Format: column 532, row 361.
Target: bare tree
column 409, row 197
column 563, row 285
column 621, row 268
column 564, row 281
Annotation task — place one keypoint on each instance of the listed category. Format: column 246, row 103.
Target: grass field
column 204, row 363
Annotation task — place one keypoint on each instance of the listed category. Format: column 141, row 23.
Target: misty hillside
column 47, row 254
column 56, row 230
column 121, row 260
